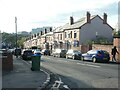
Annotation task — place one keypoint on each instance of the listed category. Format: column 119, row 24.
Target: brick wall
column 117, row 44
column 85, row 48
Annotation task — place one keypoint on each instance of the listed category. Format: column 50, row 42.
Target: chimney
column 50, row 29
column 88, row 17
column 71, row 20
column 41, row 32
column 45, row 30
column 104, row 18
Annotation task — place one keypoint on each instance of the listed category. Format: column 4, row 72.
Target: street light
column 16, row 36
column 16, row 30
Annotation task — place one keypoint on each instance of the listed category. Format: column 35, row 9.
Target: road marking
column 92, row 65
column 65, row 86
column 57, row 83
column 62, row 61
column 47, row 58
column 81, row 63
column 89, row 65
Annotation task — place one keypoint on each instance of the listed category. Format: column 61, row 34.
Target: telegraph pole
column 16, row 30
column 16, row 36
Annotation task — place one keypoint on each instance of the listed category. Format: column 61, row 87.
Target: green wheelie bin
column 36, row 62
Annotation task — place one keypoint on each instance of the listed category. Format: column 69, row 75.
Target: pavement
column 22, row 78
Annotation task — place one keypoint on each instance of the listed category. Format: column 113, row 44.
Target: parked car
column 37, row 51
column 11, row 50
column 74, row 54
column 96, row 55
column 27, row 54
column 17, row 52
column 45, row 52
column 60, row 53
column 3, row 53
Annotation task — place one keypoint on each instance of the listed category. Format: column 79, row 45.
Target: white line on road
column 89, row 65
column 92, row 65
column 65, row 86
column 81, row 63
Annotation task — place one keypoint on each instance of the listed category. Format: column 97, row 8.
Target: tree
column 101, row 40
column 21, row 41
column 117, row 34
column 10, row 39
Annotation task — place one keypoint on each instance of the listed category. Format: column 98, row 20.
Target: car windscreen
column 92, row 52
column 27, row 52
column 63, row 51
column 77, row 52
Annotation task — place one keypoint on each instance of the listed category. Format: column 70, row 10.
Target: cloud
column 38, row 13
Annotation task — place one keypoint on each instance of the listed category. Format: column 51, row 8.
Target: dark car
column 27, row 55
column 3, row 53
column 45, row 52
column 96, row 55
column 60, row 53
column 74, row 54
column 17, row 52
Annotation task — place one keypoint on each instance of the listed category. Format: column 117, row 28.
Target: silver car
column 60, row 53
column 74, row 54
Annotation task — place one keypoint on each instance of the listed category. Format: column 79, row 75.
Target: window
column 34, row 35
column 75, row 35
column 41, row 33
column 37, row 34
column 76, row 43
column 65, row 34
column 71, row 34
column 60, row 36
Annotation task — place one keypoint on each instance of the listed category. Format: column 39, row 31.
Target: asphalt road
column 82, row 74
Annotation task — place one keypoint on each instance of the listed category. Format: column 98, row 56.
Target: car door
column 68, row 54
column 90, row 54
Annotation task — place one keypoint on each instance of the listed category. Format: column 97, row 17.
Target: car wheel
column 59, row 55
column 82, row 58
column 66, row 57
column 73, row 57
column 94, row 60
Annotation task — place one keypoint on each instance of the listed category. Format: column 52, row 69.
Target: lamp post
column 16, row 35
column 16, row 30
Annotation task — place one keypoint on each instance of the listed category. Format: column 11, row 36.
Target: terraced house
column 76, row 33
column 87, row 28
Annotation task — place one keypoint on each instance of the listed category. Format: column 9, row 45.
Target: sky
column 40, row 13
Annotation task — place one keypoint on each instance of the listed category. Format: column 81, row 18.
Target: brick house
column 58, row 36
column 87, row 28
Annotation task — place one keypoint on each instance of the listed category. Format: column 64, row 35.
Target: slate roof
column 76, row 24
column 79, row 23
